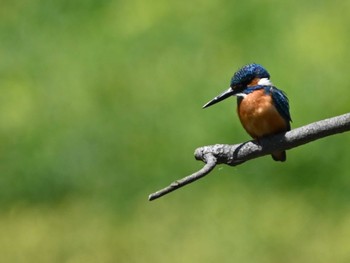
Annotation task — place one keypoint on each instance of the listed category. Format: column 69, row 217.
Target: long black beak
column 222, row 96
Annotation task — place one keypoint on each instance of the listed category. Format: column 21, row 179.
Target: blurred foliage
column 101, row 104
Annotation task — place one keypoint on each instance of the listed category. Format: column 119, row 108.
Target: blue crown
column 246, row 74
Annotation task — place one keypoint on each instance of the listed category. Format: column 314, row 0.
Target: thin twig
column 210, row 164
column 239, row 153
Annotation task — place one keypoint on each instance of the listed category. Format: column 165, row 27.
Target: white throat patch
column 264, row 82
column 242, row 95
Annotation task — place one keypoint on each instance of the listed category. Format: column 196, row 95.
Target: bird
column 262, row 108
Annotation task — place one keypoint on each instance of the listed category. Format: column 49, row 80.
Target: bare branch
column 210, row 164
column 239, row 153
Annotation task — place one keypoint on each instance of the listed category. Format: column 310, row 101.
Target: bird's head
column 247, row 76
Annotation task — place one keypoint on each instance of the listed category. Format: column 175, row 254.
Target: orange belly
column 259, row 115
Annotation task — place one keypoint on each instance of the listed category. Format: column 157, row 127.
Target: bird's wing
column 281, row 102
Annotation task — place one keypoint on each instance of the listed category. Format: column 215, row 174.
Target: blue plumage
column 245, row 75
column 281, row 103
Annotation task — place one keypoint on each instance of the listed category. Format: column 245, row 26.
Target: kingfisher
column 262, row 108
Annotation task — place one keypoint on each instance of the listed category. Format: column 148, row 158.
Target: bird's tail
column 279, row 156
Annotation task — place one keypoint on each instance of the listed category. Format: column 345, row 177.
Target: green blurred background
column 100, row 105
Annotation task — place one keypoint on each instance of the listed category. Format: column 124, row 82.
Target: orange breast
column 259, row 115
